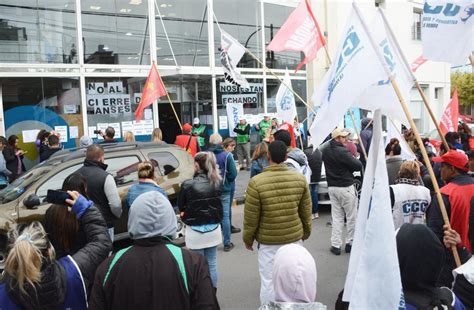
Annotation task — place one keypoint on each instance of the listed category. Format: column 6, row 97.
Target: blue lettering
column 449, row 10
column 432, row 10
column 350, row 44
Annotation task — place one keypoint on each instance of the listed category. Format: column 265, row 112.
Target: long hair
column 261, row 150
column 157, row 135
column 11, row 141
column 393, row 147
column 207, row 163
column 128, row 136
column 29, row 246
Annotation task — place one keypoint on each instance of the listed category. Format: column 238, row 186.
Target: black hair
column 283, row 136
column 53, row 140
column 11, row 140
column 277, row 151
column 76, row 182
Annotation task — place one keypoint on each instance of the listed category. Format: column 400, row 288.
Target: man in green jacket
column 263, row 125
column 243, row 142
column 277, row 212
column 198, row 131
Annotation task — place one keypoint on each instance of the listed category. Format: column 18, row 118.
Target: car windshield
column 20, row 185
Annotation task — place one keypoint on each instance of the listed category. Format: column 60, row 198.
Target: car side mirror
column 32, row 201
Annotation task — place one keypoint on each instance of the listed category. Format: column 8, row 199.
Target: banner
column 299, row 33
column 354, row 70
column 231, row 53
column 240, row 98
column 285, row 101
column 373, row 280
column 447, row 30
column 234, row 111
column 109, row 104
column 449, row 120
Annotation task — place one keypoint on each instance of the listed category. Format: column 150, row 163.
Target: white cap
column 196, row 121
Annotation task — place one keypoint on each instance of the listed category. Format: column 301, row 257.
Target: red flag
column 417, row 63
column 154, row 89
column 449, row 120
column 299, row 33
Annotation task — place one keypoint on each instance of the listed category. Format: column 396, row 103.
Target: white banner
column 447, row 30
column 231, row 53
column 393, row 132
column 109, row 104
column 285, row 101
column 234, row 111
column 240, row 98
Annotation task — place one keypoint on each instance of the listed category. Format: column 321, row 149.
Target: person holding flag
column 187, row 141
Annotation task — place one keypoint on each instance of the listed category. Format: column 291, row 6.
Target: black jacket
column 95, row 175
column 340, row 165
column 51, row 291
column 315, row 161
column 147, row 277
column 239, row 131
column 12, row 162
column 200, row 201
column 48, row 152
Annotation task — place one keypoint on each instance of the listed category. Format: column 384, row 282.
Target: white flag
column 234, row 112
column 447, row 30
column 393, row 132
column 285, row 101
column 382, row 96
column 231, row 53
column 373, row 279
column 355, row 69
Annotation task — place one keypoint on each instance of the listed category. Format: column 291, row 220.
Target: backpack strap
column 178, row 256
column 114, row 261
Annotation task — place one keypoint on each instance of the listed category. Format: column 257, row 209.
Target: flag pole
column 415, row 131
column 358, row 134
column 418, row 87
column 169, row 100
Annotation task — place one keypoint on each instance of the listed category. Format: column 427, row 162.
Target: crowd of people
column 67, row 259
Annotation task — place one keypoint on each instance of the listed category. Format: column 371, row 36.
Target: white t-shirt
column 411, row 202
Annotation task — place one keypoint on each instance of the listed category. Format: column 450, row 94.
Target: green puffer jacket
column 277, row 207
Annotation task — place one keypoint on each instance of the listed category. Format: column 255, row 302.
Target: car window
column 166, row 162
column 56, row 181
column 20, row 185
column 123, row 169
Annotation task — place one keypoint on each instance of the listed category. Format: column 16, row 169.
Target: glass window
column 416, row 27
column 20, row 185
column 275, row 17
column 31, row 104
column 112, row 102
column 38, row 31
column 186, row 25
column 123, row 169
column 166, row 162
column 240, row 19
column 115, row 32
column 56, row 181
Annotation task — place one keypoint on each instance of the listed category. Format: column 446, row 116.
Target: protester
column 421, row 257
column 146, row 183
column 199, row 131
column 243, row 143
column 294, row 280
column 157, row 135
column 41, row 142
column 277, row 212
column 458, row 199
column 269, row 135
column 467, row 140
column 53, row 147
column 351, row 145
column 409, row 198
column 394, row 159
column 274, row 124
column 229, row 145
column 153, row 273
column 340, row 166
column 128, row 136
column 4, row 172
column 109, row 135
column 201, row 209
column 34, row 279
column 228, row 173
column 315, row 162
column 85, row 141
column 101, row 186
column 453, row 139
column 365, row 137
column 187, row 141
column 296, row 159
column 298, row 129
column 259, row 159
column 14, row 158
column 263, row 125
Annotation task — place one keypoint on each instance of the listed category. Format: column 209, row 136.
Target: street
column 239, row 282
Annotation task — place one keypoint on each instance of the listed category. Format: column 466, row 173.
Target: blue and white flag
column 285, row 101
column 355, row 69
column 447, row 30
column 373, row 279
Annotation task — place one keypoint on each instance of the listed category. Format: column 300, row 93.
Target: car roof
column 109, row 148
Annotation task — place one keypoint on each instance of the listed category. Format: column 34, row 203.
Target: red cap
column 453, row 158
column 187, row 127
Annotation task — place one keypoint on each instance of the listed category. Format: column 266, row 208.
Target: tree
column 464, row 82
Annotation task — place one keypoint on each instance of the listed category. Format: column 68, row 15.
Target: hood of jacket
column 299, row 156
column 151, row 215
column 293, row 306
column 421, row 256
column 294, row 275
column 48, row 294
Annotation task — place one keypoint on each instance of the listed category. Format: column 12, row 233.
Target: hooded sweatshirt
column 298, row 162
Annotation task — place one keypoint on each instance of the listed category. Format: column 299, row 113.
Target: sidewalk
column 241, row 183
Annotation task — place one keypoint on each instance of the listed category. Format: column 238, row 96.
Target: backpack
column 303, row 169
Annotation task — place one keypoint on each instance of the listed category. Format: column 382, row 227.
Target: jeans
column 211, row 256
column 225, row 198
column 343, row 204
column 313, row 188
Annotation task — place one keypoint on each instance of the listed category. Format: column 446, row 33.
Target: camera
column 97, row 132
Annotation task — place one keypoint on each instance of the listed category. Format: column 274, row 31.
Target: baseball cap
column 196, row 121
column 340, row 132
column 241, row 117
column 187, row 127
column 453, row 158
